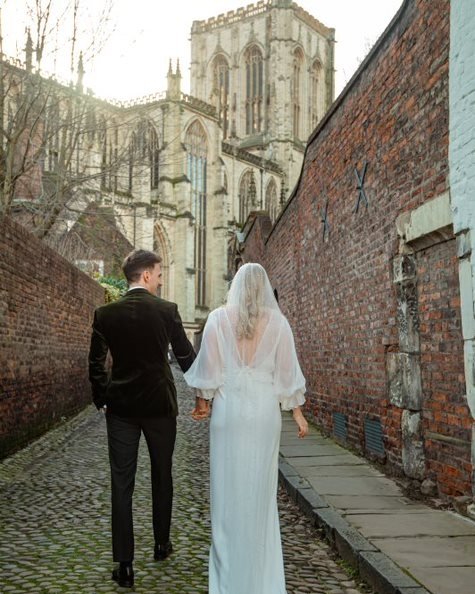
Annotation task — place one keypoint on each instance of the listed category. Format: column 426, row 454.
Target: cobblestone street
column 54, row 518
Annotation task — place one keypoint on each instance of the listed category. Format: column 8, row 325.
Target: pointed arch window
column 51, row 133
column 132, row 156
column 297, row 92
column 91, row 124
column 113, row 152
column 142, row 140
column 154, row 155
column 221, row 86
column 104, row 148
column 315, row 76
column 160, row 246
column 271, row 200
column 197, row 149
column 247, row 195
column 254, row 89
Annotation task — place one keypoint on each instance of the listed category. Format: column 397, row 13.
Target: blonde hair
column 251, row 299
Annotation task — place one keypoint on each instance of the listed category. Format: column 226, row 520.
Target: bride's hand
column 301, row 422
column 201, row 410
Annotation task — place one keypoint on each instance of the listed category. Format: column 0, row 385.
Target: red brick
column 46, row 308
column 339, row 294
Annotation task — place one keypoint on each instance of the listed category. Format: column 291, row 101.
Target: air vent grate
column 340, row 425
column 374, row 436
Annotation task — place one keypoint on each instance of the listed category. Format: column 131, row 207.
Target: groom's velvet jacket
column 137, row 330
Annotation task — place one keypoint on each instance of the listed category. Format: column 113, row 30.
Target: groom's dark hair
column 138, row 261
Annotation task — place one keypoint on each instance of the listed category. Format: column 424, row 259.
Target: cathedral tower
column 269, row 70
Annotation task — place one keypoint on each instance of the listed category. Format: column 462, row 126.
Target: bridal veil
column 249, row 332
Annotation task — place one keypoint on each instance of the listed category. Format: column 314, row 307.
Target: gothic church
column 262, row 77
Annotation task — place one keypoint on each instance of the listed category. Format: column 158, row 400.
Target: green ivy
column 115, row 287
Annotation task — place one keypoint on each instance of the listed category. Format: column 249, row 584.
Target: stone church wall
column 369, row 279
column 46, row 309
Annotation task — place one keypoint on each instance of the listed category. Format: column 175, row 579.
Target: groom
column 139, row 396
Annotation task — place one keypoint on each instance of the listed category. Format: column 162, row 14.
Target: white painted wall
column 462, row 173
column 462, row 114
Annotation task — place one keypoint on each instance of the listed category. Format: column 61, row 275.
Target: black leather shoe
column 162, row 551
column 124, row 575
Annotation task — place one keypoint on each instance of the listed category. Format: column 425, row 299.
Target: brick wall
column 446, row 420
column 46, row 308
column 338, row 289
column 261, row 226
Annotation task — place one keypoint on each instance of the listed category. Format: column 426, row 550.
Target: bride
column 247, row 365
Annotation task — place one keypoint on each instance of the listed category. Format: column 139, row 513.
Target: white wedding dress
column 247, row 379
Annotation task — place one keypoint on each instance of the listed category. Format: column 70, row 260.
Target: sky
column 142, row 35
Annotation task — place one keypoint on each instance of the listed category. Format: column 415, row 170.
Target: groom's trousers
column 123, row 437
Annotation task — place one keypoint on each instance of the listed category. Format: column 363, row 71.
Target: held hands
column 201, row 410
column 301, row 422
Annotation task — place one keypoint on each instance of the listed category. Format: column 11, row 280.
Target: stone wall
column 46, row 308
column 347, row 258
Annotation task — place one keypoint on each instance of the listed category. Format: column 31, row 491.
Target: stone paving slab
column 428, row 551
column 425, row 523
column 308, row 449
column 399, row 546
column 291, row 436
column 55, row 519
column 354, row 486
column 373, row 503
column 335, row 470
column 325, row 460
column 394, row 512
column 456, row 580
